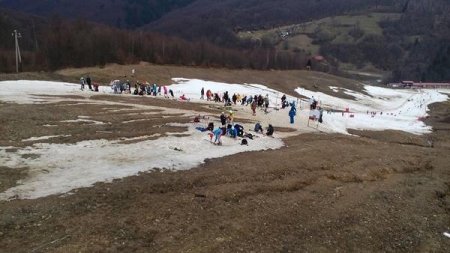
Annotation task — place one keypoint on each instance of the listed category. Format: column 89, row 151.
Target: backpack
column 244, row 142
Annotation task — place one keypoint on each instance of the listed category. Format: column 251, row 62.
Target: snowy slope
column 85, row 163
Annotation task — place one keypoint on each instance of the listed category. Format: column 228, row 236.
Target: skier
column 171, row 93
column 202, row 93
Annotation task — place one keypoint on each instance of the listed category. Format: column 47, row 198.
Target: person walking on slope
column 292, row 112
column 202, row 93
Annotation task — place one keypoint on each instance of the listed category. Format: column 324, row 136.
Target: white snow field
column 60, row 168
column 395, row 109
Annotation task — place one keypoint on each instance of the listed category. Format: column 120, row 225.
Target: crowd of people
column 229, row 128
column 254, row 101
column 228, row 100
column 88, row 81
column 142, row 89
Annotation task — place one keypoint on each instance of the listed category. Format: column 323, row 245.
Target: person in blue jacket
column 292, row 112
column 218, row 133
column 155, row 89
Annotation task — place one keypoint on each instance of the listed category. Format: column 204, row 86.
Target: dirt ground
column 383, row 192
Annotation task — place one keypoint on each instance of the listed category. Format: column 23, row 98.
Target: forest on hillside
column 204, row 33
column 57, row 43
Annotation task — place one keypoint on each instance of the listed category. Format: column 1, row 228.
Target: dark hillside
column 58, row 43
column 256, row 14
column 353, row 35
column 120, row 13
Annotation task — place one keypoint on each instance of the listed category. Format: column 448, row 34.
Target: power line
column 17, row 36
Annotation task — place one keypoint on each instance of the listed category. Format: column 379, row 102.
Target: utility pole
column 17, row 36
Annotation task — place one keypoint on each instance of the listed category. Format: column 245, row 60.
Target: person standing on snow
column 321, row 115
column 266, row 103
column 292, row 112
column 253, row 106
column 155, row 89
column 165, row 91
column 89, row 82
column 202, row 93
column 82, row 82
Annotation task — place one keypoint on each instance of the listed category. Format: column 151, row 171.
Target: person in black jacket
column 223, row 119
column 270, row 130
column 89, row 82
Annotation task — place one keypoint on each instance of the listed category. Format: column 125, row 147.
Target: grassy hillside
column 411, row 44
column 309, row 36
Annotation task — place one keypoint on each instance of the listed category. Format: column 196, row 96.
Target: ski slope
column 84, row 163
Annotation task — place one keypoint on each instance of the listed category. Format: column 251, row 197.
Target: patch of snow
column 401, row 109
column 140, row 137
column 134, row 120
column 334, row 89
column 44, row 137
column 28, row 92
column 191, row 88
column 61, row 168
column 94, row 122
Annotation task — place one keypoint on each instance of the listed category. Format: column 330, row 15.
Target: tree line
column 59, row 43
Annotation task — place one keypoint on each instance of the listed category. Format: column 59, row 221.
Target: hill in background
column 407, row 39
